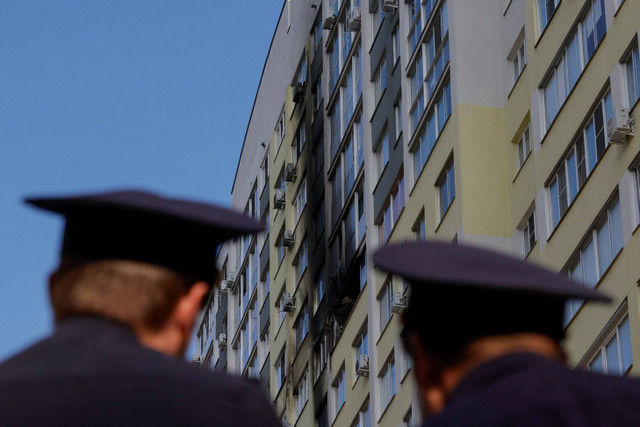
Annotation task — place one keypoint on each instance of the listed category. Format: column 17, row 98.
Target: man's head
column 468, row 304
column 140, row 259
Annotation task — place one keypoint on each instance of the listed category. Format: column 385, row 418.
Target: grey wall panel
column 383, row 42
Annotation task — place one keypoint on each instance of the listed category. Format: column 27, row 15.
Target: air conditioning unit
column 298, row 92
column 290, row 172
column 389, row 5
column 362, row 366
column 278, row 199
column 354, row 19
column 288, row 303
column 225, row 285
column 399, row 303
column 619, row 126
column 222, row 340
column 330, row 20
column 288, row 239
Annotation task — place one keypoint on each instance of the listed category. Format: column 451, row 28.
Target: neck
column 169, row 341
column 486, row 349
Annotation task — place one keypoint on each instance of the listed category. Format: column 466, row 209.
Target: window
column 583, row 156
column 363, row 272
column 301, row 261
column 300, row 200
column 381, row 153
column 339, row 391
column 632, row 65
column 336, row 130
column 281, row 128
column 362, row 343
column 385, row 300
column 318, row 289
column 601, row 245
column 614, row 355
column 574, row 57
column 321, row 355
column 393, row 207
column 529, row 233
column 408, row 419
column 518, row 59
column 431, row 58
column 319, row 220
column 430, row 132
column 279, row 305
column 396, row 45
column 524, row 147
column 301, row 327
column 301, row 75
column 281, row 373
column 546, row 9
column 282, row 249
column 397, row 110
column 264, row 170
column 387, row 383
column 318, row 157
column 380, row 80
column 317, row 92
column 419, row 228
column 447, row 188
column 301, row 393
column 363, row 418
column 317, row 35
column 636, row 174
column 298, row 142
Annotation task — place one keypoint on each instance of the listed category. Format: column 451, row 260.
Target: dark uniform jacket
column 528, row 390
column 93, row 372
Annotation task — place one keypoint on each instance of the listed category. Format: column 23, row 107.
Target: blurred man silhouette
column 134, row 270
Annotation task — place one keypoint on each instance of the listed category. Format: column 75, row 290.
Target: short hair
column 447, row 319
column 139, row 295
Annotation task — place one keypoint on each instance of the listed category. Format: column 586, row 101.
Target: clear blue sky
column 152, row 94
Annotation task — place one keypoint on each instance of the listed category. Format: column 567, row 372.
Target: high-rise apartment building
column 501, row 123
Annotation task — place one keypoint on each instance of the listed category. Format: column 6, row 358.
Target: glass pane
column 625, row 344
column 590, row 134
column 604, row 247
column 589, row 42
column 573, row 176
column 573, row 63
column 589, row 267
column 542, row 12
column 562, row 191
column 550, row 101
column 615, row 220
column 555, row 207
column 613, row 357
column 636, row 67
column 596, row 364
column 600, row 21
column 600, row 131
column 581, row 161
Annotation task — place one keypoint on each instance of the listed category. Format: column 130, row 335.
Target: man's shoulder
column 542, row 392
column 140, row 381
